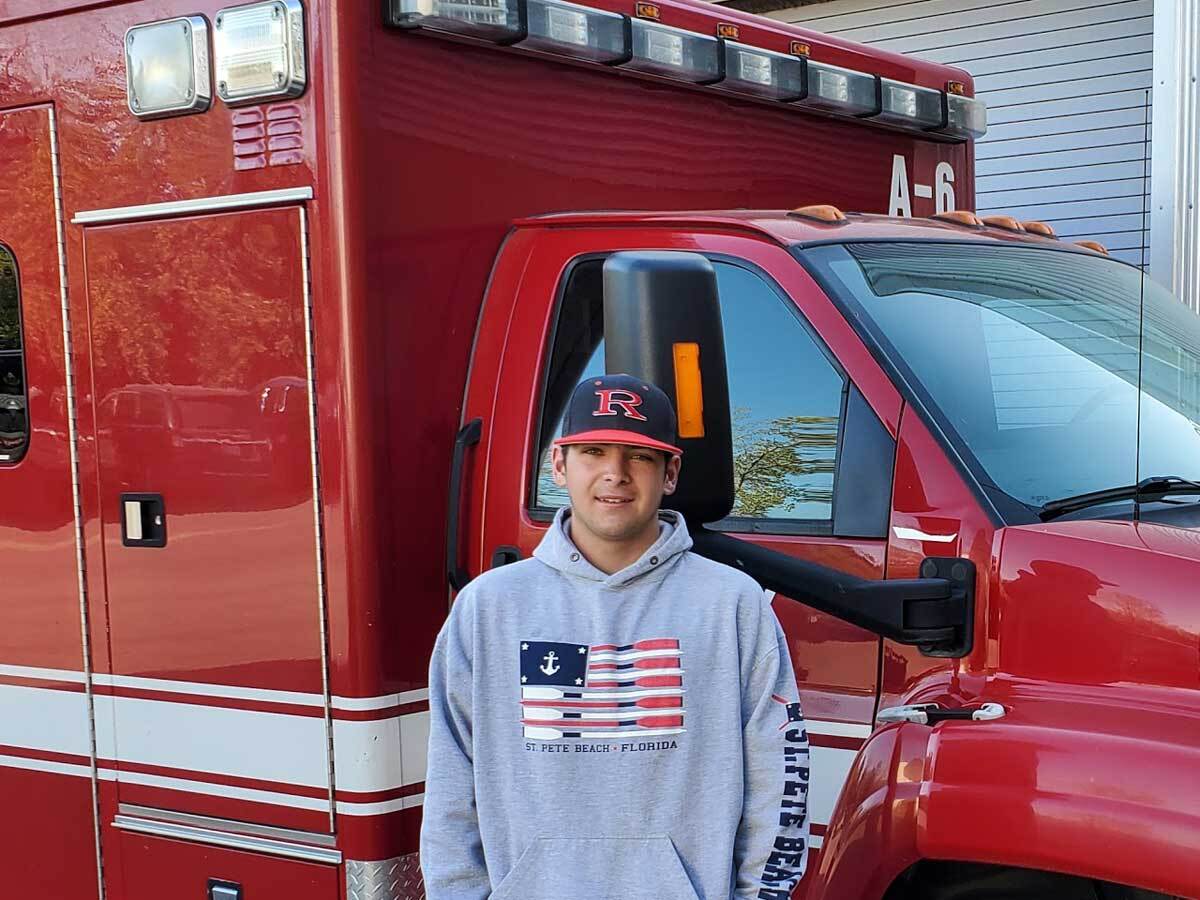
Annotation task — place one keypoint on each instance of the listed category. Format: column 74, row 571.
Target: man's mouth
column 614, row 501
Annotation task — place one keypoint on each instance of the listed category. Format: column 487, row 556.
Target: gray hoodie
column 634, row 736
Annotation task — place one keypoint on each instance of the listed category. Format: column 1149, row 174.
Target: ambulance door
column 215, row 705
column 812, row 459
column 47, row 828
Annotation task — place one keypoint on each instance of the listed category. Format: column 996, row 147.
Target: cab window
column 786, row 396
column 14, row 398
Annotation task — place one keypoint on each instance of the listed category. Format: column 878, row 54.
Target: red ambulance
column 291, row 297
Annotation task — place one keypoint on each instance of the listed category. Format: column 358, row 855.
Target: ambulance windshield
column 1031, row 359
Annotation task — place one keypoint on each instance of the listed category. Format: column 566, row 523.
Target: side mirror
column 656, row 304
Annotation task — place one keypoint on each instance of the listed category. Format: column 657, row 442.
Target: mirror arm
column 935, row 613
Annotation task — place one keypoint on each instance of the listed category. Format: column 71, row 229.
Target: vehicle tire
column 970, row 881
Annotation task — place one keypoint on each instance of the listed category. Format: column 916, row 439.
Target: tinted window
column 785, row 393
column 14, row 420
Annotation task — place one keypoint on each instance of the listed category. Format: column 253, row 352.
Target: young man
column 616, row 717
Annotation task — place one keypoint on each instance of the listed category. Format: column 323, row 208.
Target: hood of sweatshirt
column 558, row 551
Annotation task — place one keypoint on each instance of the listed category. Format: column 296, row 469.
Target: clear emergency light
column 502, row 21
column 752, row 70
column 966, row 117
column 259, row 51
column 907, row 104
column 676, row 53
column 838, row 90
column 576, row 30
column 166, row 68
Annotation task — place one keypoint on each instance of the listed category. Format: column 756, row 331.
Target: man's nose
column 616, row 469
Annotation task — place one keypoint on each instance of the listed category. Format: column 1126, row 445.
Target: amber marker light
column 800, row 48
column 689, row 390
column 647, row 11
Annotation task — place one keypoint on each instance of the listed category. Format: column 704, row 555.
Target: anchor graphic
column 550, row 667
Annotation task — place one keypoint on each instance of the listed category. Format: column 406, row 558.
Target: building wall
column 1067, row 86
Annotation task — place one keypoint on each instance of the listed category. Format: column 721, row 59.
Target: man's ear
column 558, row 462
column 671, row 474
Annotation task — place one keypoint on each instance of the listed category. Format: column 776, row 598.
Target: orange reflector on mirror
column 689, row 390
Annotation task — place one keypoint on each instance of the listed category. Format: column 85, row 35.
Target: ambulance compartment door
column 200, row 371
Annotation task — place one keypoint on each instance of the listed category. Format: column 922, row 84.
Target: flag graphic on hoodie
column 601, row 691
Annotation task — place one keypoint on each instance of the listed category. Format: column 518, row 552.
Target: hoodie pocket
column 636, row 868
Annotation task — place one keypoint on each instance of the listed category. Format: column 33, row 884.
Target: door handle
column 504, row 555
column 467, row 437
column 143, row 520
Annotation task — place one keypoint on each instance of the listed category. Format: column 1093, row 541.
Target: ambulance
column 292, row 295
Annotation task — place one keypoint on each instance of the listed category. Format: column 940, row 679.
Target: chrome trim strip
column 227, row 839
column 188, row 207
column 211, row 822
column 318, row 523
column 364, row 704
column 73, row 439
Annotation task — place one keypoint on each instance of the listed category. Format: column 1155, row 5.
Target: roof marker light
column 960, row 217
column 729, row 31
column 1039, row 228
column 580, row 31
column 907, row 104
column 822, row 212
column 258, row 51
column 1008, row 223
column 838, row 90
column 501, row 21
column 751, row 70
column 1092, row 245
column 800, row 48
column 685, row 55
column 166, row 68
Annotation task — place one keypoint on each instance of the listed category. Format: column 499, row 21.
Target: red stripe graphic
column 643, row 702
column 655, row 644
column 585, row 724
column 648, row 681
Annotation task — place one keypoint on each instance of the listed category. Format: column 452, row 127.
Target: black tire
column 972, row 881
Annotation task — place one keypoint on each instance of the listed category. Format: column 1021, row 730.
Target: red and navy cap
column 620, row 409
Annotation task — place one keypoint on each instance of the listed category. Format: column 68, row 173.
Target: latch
column 932, row 713
column 143, row 520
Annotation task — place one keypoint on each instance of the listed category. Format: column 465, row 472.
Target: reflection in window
column 14, row 420
column 785, row 394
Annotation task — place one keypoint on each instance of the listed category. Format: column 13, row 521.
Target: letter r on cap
column 627, row 400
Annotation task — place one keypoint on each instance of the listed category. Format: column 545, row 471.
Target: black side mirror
column 654, row 302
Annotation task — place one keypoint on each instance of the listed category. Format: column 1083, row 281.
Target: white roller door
column 1065, row 83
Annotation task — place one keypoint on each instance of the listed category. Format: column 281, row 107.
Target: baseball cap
column 620, row 409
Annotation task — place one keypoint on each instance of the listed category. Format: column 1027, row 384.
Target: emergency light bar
column 648, row 45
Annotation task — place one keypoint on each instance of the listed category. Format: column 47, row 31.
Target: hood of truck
column 1097, row 602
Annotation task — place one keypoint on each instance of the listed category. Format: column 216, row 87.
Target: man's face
column 615, row 489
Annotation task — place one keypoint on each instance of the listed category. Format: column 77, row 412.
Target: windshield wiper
column 1148, row 490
